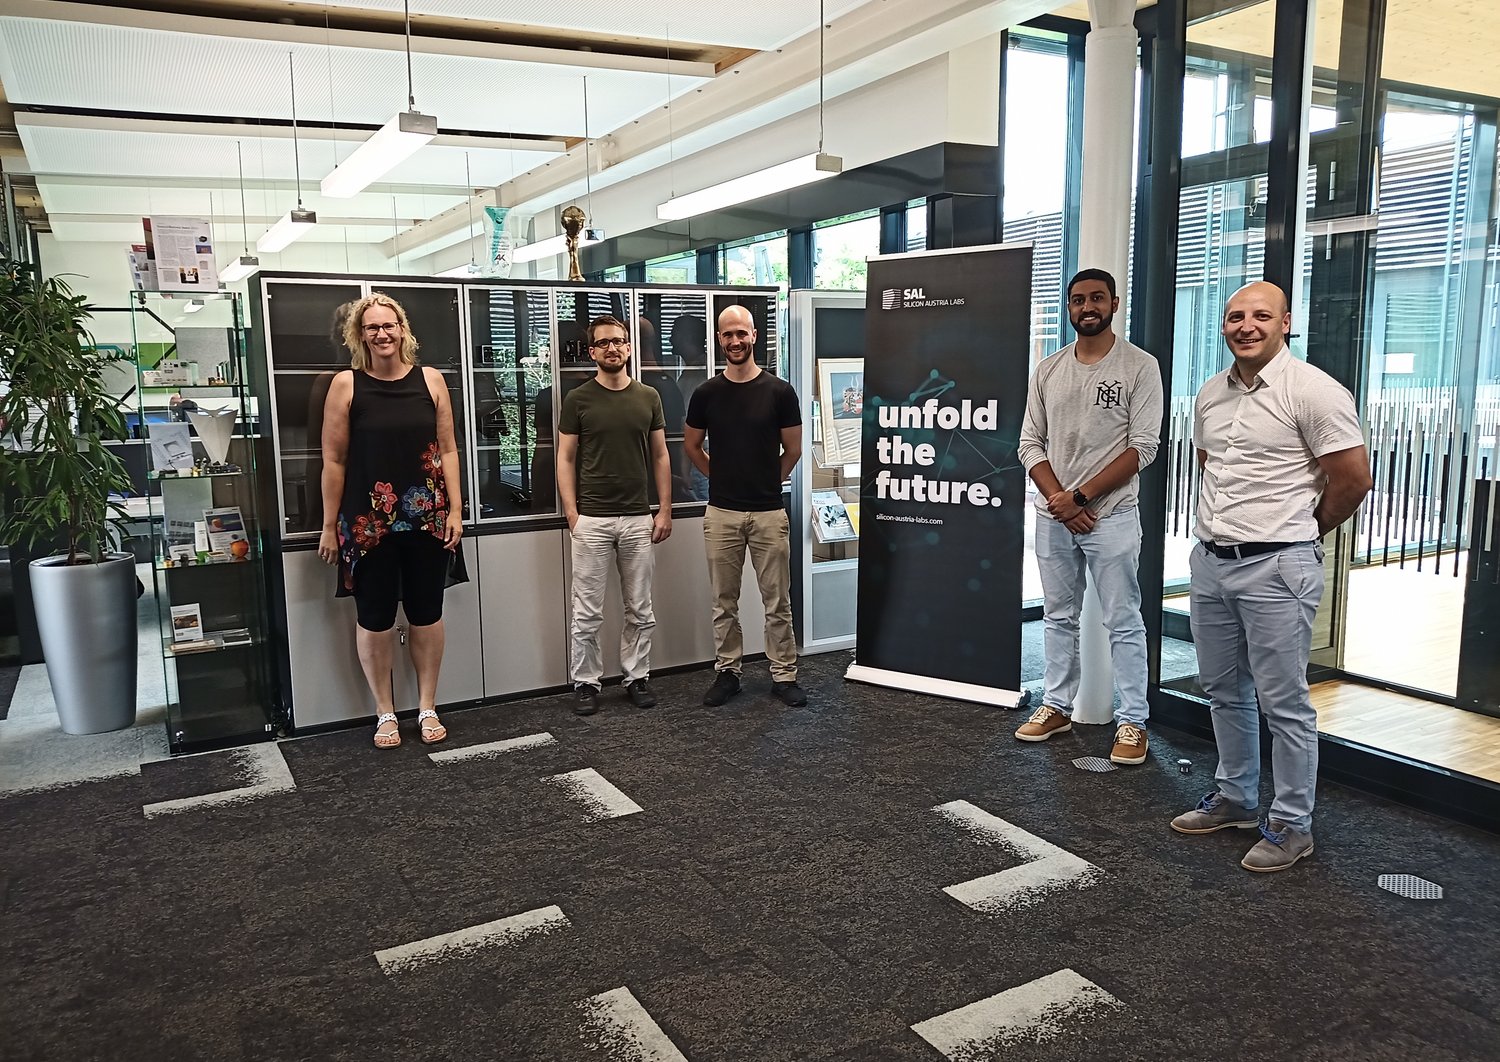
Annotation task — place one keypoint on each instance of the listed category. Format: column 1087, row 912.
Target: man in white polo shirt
column 1284, row 463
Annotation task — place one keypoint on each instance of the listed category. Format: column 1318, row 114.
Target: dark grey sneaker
column 791, row 694
column 726, row 685
column 1278, row 848
column 640, row 694
column 585, row 699
column 1214, row 813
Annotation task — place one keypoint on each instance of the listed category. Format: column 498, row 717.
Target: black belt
column 1246, row 549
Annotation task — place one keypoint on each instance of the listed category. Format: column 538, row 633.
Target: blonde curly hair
column 354, row 336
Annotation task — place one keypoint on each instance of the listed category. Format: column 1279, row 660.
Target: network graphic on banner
column 942, row 489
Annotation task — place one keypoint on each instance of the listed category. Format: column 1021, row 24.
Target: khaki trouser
column 727, row 533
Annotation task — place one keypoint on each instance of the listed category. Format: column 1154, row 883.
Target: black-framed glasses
column 375, row 329
column 609, row 342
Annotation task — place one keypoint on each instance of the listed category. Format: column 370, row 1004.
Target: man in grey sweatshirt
column 1093, row 421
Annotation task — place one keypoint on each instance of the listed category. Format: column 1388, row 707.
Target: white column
column 1104, row 243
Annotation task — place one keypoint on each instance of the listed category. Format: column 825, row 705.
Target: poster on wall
column 941, row 489
column 183, row 251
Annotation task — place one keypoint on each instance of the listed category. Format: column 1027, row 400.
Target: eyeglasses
column 375, row 329
column 612, row 341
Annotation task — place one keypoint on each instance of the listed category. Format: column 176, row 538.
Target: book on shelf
column 197, row 645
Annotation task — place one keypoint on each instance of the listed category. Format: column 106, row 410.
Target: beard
column 739, row 357
column 1094, row 328
column 611, row 367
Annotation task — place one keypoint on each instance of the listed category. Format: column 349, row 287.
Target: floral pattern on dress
column 383, row 497
column 418, row 503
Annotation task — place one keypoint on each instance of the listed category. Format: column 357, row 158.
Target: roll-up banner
column 941, row 488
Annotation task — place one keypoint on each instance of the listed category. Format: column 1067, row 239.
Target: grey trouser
column 727, row 534
column 1252, row 626
column 598, row 542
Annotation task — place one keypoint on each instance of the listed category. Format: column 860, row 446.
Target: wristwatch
column 1080, row 499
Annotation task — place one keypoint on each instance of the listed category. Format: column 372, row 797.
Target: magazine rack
column 207, row 552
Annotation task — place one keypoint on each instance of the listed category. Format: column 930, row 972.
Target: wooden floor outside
column 1403, row 627
column 1404, row 624
column 1407, row 726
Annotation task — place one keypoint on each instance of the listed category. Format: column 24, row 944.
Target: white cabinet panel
column 328, row 685
column 523, row 611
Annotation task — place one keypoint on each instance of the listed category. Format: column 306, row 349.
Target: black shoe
column 640, row 694
column 585, row 700
column 726, row 685
column 790, row 693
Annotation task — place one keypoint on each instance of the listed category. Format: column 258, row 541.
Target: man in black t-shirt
column 754, row 422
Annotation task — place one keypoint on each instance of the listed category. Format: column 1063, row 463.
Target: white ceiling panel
column 77, row 198
column 152, row 72
column 57, row 150
column 125, row 232
column 770, row 24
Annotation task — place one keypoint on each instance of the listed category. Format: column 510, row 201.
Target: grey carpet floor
column 778, row 896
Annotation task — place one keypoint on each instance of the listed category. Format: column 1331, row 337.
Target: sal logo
column 1111, row 393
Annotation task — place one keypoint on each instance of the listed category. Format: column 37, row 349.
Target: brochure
column 183, row 250
column 171, row 446
column 831, row 521
column 226, row 532
column 187, row 623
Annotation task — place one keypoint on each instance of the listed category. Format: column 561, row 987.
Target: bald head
column 1257, row 321
column 736, row 335
column 1257, row 292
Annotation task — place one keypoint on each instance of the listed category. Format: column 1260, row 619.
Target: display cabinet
column 511, row 352
column 827, row 331
column 208, row 545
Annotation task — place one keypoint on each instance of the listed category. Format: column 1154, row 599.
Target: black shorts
column 408, row 566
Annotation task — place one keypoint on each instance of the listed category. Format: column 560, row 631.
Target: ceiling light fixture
column 294, row 224
column 246, row 263
column 793, row 174
column 389, row 146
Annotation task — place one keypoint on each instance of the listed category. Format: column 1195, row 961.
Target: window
column 841, row 248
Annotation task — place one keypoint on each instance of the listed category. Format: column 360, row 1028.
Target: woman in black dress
column 392, row 507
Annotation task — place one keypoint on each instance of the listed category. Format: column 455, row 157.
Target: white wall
column 103, row 272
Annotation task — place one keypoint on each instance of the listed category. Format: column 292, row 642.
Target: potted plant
column 56, row 415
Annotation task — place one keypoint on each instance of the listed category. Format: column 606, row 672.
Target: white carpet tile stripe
column 991, row 829
column 462, row 943
column 599, row 797
column 492, row 749
column 1032, row 1013
column 1025, row 885
column 616, row 1024
column 1047, row 870
column 265, row 773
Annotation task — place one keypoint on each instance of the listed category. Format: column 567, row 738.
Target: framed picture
column 841, row 407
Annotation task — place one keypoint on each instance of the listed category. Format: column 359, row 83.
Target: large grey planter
column 86, row 616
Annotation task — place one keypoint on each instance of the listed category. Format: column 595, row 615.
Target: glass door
column 1221, row 239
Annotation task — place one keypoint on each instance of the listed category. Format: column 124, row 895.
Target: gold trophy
column 573, row 220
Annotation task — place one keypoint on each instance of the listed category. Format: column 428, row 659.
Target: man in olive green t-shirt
column 611, row 443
